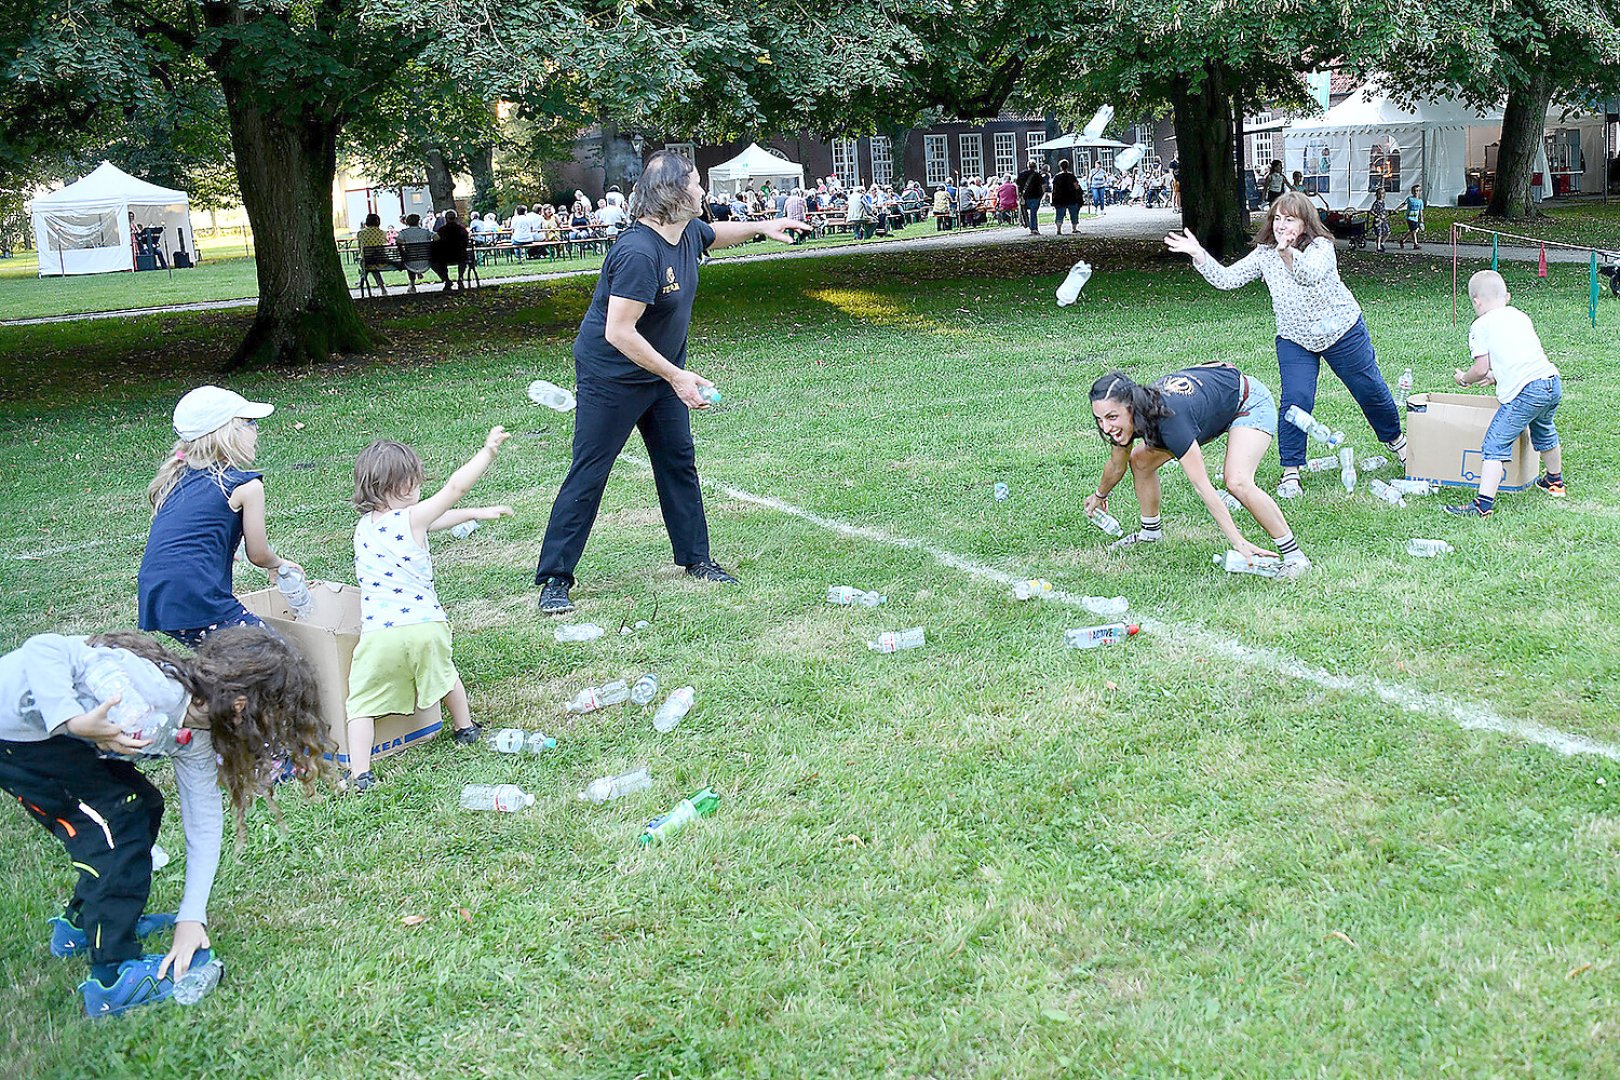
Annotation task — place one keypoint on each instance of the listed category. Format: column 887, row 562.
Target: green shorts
column 400, row 669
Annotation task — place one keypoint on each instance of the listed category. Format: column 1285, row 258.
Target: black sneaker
column 467, row 736
column 709, row 570
column 1468, row 510
column 554, row 597
column 364, row 782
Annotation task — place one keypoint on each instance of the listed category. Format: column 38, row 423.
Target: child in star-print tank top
column 403, row 660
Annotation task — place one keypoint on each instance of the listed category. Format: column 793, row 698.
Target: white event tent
column 754, row 165
column 85, row 227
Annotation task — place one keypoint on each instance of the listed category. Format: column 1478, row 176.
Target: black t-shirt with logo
column 1203, row 402
column 642, row 266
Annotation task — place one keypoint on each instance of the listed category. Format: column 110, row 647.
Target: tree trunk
column 482, row 165
column 441, row 183
column 1523, row 119
column 1210, row 207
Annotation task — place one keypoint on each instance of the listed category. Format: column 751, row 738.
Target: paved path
column 1122, row 222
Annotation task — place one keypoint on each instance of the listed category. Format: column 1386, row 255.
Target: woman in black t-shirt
column 1173, row 419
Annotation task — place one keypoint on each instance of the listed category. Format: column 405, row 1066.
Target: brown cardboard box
column 1444, row 433
column 327, row 641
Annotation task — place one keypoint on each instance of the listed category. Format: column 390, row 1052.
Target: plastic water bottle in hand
column 607, row 788
column 1105, row 521
column 198, row 982
column 579, row 632
column 105, row 679
column 898, row 640
column 1385, row 492
column 1347, row 469
column 1427, row 549
column 1105, row 605
column 1031, row 588
column 1069, row 291
column 1091, row 637
column 600, row 697
column 1313, row 427
column 1403, row 388
column 709, row 394
column 551, row 395
column 1234, row 563
column 673, row 710
column 662, row 827
column 645, row 690
column 295, row 590
column 465, row 529
column 506, row 798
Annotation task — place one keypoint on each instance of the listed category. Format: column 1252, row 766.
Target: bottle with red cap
column 1091, row 637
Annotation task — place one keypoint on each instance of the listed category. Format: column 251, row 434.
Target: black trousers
column 606, row 413
column 106, row 814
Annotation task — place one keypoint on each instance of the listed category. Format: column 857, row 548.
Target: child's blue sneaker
column 69, row 940
column 137, row 984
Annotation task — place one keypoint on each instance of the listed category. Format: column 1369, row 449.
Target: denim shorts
column 1533, row 408
column 1258, row 409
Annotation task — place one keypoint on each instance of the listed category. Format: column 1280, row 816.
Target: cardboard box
column 327, row 641
column 1444, row 436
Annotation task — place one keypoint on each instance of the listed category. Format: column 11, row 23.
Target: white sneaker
column 1290, row 570
column 1130, row 540
column 1289, row 489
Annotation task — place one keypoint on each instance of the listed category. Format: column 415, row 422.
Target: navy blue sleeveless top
column 185, row 578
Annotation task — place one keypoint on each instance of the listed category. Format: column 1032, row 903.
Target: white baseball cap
column 209, row 408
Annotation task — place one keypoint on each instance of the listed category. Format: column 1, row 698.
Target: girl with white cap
column 204, row 503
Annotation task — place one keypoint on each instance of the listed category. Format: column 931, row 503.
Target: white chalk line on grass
column 1468, row 715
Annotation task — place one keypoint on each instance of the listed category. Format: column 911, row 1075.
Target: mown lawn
column 990, row 857
column 1583, row 223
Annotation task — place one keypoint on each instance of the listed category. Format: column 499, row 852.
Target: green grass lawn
column 1583, row 222
column 990, row 857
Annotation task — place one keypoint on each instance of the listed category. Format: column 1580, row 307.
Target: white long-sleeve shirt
column 1312, row 306
column 42, row 688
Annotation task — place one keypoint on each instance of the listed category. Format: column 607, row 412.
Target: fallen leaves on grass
column 414, row 920
column 1579, row 970
column 1344, row 937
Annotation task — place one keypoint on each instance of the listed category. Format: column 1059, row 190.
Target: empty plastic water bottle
column 607, row 788
column 662, row 827
column 579, row 632
column 1313, row 427
column 465, row 529
column 645, row 690
column 600, row 697
column 133, row 714
column 1000, row 491
column 198, row 982
column 1090, row 637
column 506, row 798
column 1031, row 588
column 1234, row 563
column 1106, row 605
column 1069, row 291
column 1385, row 492
column 1105, row 521
column 507, row 740
column 1427, row 549
column 539, row 742
column 845, row 595
column 295, row 590
column 550, row 395
column 1347, row 468
column 898, row 640
column 1414, row 487
column 1231, row 501
column 1403, row 388
column 710, row 394
column 1373, row 464
column 1326, row 463
column 1220, row 476
column 673, row 710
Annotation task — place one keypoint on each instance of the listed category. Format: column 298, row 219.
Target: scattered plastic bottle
column 1403, row 388
column 1326, row 463
column 1091, row 637
column 198, row 982
column 673, row 710
column 1231, row 501
column 1347, row 469
column 845, row 595
column 1031, row 588
column 1427, row 549
column 1069, row 291
column 1234, row 563
column 295, row 590
column 465, row 529
column 1000, row 491
column 1385, row 492
column 662, row 827
column 600, row 697
column 1220, row 476
column 645, row 690
column 1313, row 427
column 1105, row 521
column 515, row 740
column 506, row 798
column 607, row 788
column 105, row 679
column 1404, row 486
column 539, row 742
column 160, row 858
column 1106, row 605
column 898, row 640
column 709, row 394
column 551, row 395
column 577, row 632
column 1373, row 464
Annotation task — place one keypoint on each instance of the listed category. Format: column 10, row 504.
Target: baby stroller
column 1344, row 224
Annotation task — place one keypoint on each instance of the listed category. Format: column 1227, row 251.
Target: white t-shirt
column 1517, row 357
column 396, row 575
column 610, row 215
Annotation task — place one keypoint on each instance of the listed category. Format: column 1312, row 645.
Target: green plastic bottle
column 686, row 811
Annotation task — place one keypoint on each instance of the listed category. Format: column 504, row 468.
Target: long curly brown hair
column 279, row 726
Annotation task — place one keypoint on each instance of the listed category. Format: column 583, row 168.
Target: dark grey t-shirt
column 642, row 266
column 1203, row 402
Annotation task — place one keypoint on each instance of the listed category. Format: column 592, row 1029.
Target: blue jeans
column 1032, row 214
column 1072, row 210
column 1533, row 408
column 1351, row 358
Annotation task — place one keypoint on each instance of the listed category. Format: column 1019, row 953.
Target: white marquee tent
column 85, row 227
column 755, row 165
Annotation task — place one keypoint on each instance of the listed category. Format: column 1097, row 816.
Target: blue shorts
column 1071, row 209
column 194, row 637
column 1258, row 409
column 1533, row 408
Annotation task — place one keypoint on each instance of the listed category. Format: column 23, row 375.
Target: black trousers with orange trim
column 106, row 814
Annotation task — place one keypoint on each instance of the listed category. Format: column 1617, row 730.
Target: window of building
column 1261, row 154
column 846, row 165
column 1031, row 140
column 1144, row 139
column 685, row 149
column 936, row 160
column 1105, row 156
column 971, row 148
column 1318, row 169
column 882, row 160
column 1006, row 147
